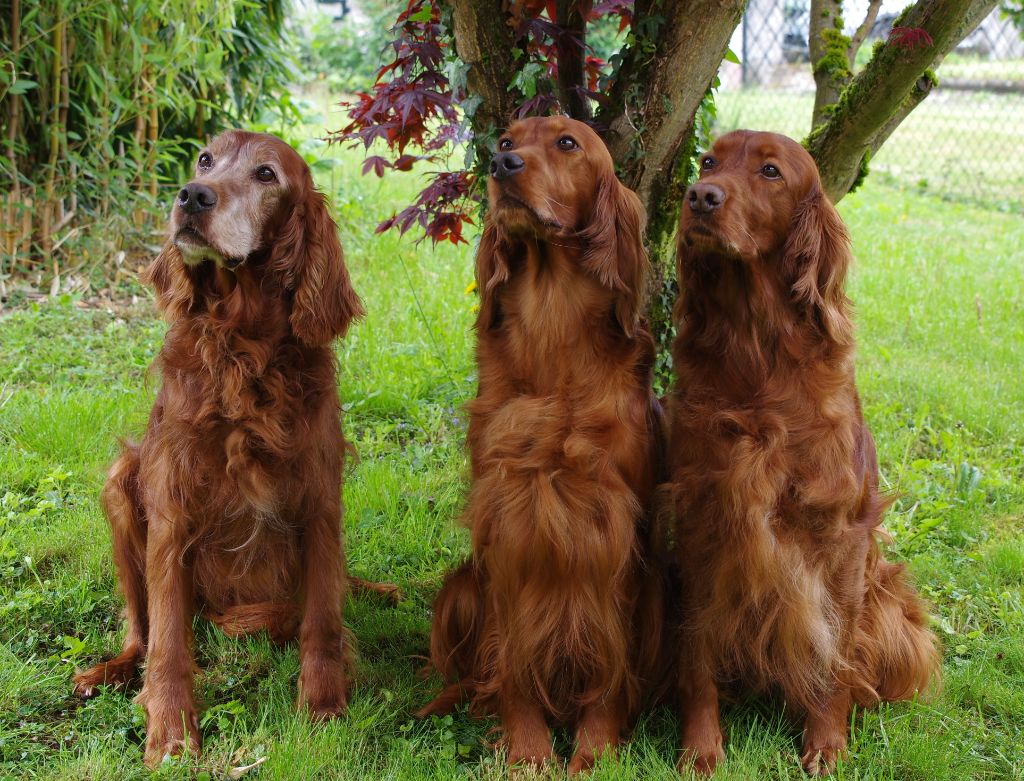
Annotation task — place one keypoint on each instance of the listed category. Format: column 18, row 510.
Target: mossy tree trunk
column 649, row 115
column 852, row 127
column 488, row 46
column 829, row 49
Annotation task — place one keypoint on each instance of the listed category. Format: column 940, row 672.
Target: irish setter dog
column 231, row 504
column 774, row 472
column 556, row 618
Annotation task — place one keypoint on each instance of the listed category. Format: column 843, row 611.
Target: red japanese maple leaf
column 910, row 38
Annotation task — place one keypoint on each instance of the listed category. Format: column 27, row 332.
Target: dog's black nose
column 195, row 198
column 506, row 164
column 705, row 198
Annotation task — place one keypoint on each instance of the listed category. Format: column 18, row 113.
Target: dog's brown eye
column 205, row 160
column 567, row 144
column 769, row 171
column 707, row 163
column 505, row 144
column 265, row 173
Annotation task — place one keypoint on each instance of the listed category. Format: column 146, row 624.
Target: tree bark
column 487, row 45
column 829, row 55
column 885, row 88
column 571, row 47
column 663, row 78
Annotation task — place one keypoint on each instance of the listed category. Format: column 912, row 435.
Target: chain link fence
column 965, row 141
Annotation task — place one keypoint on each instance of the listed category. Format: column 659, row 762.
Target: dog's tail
column 455, row 637
column 897, row 654
column 279, row 619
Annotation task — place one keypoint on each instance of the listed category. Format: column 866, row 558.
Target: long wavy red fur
column 773, row 469
column 557, row 615
column 230, row 505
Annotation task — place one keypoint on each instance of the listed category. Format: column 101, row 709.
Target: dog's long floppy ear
column 816, row 259
column 309, row 258
column 492, row 270
column 175, row 292
column 614, row 251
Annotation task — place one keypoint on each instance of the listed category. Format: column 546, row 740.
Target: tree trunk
column 571, row 48
column 829, row 55
column 649, row 115
column 650, row 110
column 487, row 45
column 893, row 82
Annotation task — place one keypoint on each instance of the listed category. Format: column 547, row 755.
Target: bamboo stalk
column 139, row 134
column 201, row 113
column 64, row 103
column 9, row 241
column 54, row 130
column 13, row 122
column 26, row 224
column 104, row 111
column 154, row 125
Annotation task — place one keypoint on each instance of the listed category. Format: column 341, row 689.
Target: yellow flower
column 471, row 287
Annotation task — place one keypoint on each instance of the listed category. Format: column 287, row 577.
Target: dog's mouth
column 195, row 248
column 698, row 234
column 515, row 213
column 187, row 234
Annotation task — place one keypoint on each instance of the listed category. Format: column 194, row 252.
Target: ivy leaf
column 526, row 79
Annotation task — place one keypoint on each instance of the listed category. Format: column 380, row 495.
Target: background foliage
column 101, row 105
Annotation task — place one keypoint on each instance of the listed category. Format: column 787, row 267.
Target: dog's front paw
column 703, row 758
column 117, row 672
column 585, row 758
column 820, row 760
column 171, row 732
column 323, row 688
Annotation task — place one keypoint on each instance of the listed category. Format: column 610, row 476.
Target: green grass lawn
column 939, row 289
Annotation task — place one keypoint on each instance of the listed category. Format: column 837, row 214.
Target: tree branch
column 921, row 89
column 884, row 89
column 862, row 32
column 828, row 49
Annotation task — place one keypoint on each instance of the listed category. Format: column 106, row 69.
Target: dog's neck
column 561, row 305
column 741, row 313
column 555, row 317
column 235, row 302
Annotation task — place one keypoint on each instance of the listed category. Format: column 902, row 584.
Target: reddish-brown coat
column 231, row 504
column 557, row 616
column 773, row 470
